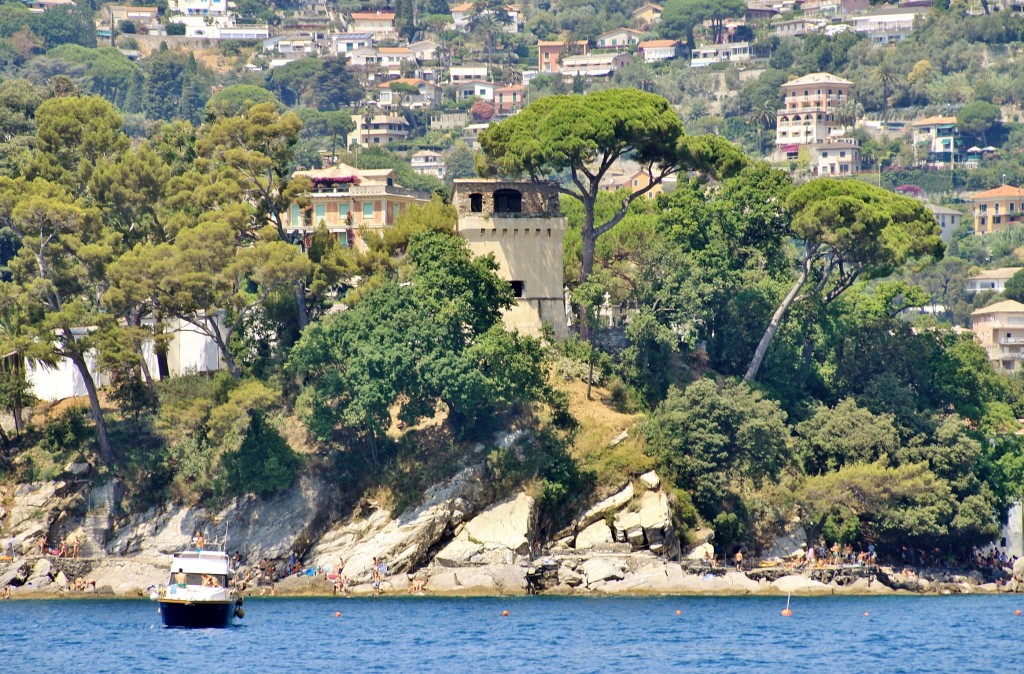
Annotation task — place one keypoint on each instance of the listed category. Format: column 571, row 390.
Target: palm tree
column 848, row 112
column 762, row 117
column 489, row 18
column 887, row 76
column 511, row 75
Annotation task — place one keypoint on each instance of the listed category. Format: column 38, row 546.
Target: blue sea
column 540, row 634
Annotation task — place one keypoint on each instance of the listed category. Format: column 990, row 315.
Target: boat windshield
column 204, row 579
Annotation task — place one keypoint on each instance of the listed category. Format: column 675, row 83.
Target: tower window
column 476, row 203
column 518, row 288
column 508, row 201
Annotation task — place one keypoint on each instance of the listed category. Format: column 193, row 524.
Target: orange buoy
column 678, row 612
column 866, row 613
column 786, row 612
column 337, row 614
column 1017, row 612
column 504, row 614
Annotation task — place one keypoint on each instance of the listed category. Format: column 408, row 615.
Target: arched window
column 508, row 201
column 476, row 202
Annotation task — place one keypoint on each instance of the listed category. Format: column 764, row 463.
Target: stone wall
column 538, row 199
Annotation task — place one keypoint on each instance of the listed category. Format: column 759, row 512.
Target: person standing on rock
column 738, row 558
column 380, row 572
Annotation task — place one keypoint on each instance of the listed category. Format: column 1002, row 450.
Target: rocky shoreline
column 595, row 575
column 461, row 540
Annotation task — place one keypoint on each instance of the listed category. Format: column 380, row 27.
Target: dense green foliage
column 264, row 463
column 411, row 344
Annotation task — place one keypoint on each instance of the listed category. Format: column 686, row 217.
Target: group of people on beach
column 813, row 556
column 837, row 555
column 64, row 548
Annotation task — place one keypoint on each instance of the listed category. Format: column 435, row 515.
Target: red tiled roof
column 1002, row 191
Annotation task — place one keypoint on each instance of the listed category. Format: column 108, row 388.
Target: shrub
column 264, row 464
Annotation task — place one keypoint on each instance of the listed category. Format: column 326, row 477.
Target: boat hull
column 197, row 613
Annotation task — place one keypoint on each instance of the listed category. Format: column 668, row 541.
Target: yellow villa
column 345, row 199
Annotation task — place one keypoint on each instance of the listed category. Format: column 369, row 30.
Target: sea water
column 539, row 634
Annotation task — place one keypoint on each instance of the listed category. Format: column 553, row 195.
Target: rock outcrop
column 272, row 528
column 403, row 542
column 644, row 522
column 596, row 535
column 611, row 504
column 501, row 534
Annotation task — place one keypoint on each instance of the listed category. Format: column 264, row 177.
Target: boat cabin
column 206, row 569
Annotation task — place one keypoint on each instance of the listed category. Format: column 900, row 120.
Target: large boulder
column 656, row 521
column 790, row 543
column 40, row 578
column 496, row 536
column 480, row 580
column 509, row 524
column 302, row 585
column 611, row 504
column 650, row 480
column 1018, row 570
column 595, row 535
column 798, row 584
column 704, row 551
column 629, row 529
column 598, row 569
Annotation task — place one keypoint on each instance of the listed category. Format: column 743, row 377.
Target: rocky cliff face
column 271, row 528
column 461, row 537
column 461, row 540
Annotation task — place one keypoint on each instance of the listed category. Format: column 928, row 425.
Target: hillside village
column 423, row 80
column 249, row 247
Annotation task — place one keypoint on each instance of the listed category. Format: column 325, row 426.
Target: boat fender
column 240, row 601
column 239, row 612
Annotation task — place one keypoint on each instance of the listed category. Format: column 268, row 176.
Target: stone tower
column 522, row 225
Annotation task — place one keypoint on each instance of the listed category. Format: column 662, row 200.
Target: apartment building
column 999, row 328
column 998, row 209
column 809, row 113
column 344, row 199
column 990, row 279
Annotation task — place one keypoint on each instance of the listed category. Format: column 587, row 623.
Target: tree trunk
column 806, row 354
column 229, row 360
column 590, row 372
column 300, row 291
column 589, row 241
column 773, row 325
column 146, row 374
column 300, row 303
column 373, row 444
column 106, row 451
